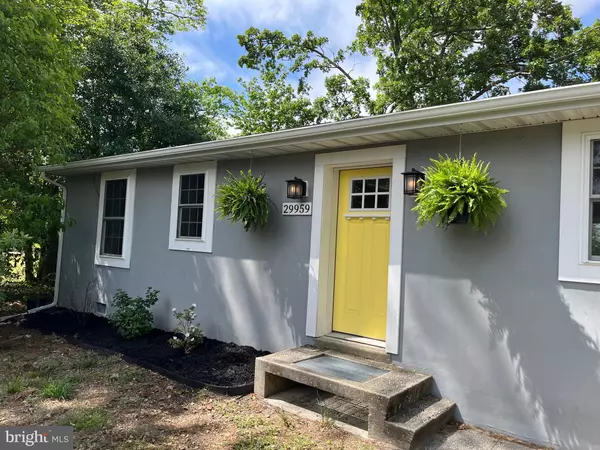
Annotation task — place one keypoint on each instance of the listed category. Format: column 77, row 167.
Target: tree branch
column 498, row 83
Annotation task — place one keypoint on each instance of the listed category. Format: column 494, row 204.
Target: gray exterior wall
column 251, row 290
column 517, row 350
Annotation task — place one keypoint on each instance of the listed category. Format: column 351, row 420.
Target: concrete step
column 413, row 425
column 383, row 386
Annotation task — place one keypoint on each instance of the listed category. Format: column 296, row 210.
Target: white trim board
column 124, row 260
column 322, row 241
column 574, row 263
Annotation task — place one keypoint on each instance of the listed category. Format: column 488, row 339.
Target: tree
column 271, row 52
column 432, row 52
column 441, row 51
column 39, row 73
column 134, row 95
column 269, row 103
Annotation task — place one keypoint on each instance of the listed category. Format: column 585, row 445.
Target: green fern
column 244, row 200
column 455, row 186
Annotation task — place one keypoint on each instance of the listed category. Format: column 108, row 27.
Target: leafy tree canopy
column 38, row 63
column 432, row 52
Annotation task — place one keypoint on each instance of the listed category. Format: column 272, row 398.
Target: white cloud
column 582, row 7
column 335, row 19
column 201, row 60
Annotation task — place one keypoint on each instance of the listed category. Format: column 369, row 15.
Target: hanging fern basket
column 461, row 218
column 457, row 190
column 243, row 199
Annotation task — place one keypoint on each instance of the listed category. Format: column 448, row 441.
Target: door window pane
column 370, row 185
column 357, row 186
column 383, row 201
column 356, row 202
column 369, row 202
column 383, row 185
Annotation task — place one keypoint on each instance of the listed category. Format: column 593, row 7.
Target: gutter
column 63, row 214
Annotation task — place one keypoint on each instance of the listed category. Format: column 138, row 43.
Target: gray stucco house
column 508, row 322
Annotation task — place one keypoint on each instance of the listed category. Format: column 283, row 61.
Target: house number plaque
column 297, row 209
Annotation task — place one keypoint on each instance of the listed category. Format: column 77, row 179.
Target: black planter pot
column 461, row 218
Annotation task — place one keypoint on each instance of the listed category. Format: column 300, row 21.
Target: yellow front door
column 362, row 252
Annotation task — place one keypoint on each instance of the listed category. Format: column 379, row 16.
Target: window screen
column 113, row 224
column 191, row 204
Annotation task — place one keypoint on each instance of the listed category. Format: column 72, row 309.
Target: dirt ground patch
column 116, row 405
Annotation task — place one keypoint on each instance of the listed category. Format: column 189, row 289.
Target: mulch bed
column 213, row 364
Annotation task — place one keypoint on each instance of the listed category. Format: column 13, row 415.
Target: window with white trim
column 192, row 207
column 579, row 246
column 115, row 219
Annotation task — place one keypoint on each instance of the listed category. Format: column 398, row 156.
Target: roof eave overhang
column 538, row 103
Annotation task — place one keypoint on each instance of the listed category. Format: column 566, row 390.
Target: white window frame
column 124, row 260
column 204, row 245
column 575, row 264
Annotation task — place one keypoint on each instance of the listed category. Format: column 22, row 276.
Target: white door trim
column 323, row 233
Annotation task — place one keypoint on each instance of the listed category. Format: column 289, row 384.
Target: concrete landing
column 394, row 405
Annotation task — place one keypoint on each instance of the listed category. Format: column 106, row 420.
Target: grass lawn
column 116, row 405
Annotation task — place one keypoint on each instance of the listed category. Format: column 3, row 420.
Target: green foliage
column 244, row 200
column 15, row 385
column 88, row 419
column 191, row 335
column 134, row 95
column 40, row 69
column 456, row 186
column 132, row 316
column 10, row 241
column 57, row 389
column 271, row 102
column 443, row 51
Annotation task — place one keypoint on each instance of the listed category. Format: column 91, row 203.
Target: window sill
column 112, row 261
column 579, row 280
column 190, row 245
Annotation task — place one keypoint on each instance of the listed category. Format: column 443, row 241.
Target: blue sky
column 214, row 52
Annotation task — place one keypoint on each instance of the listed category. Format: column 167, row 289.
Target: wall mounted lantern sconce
column 412, row 182
column 296, row 188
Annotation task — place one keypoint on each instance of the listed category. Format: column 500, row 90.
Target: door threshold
column 354, row 345
column 356, row 339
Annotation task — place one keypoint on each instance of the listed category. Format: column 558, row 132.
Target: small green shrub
column 16, row 385
column 132, row 316
column 244, row 200
column 89, row 419
column 57, row 389
column 191, row 335
column 456, row 186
